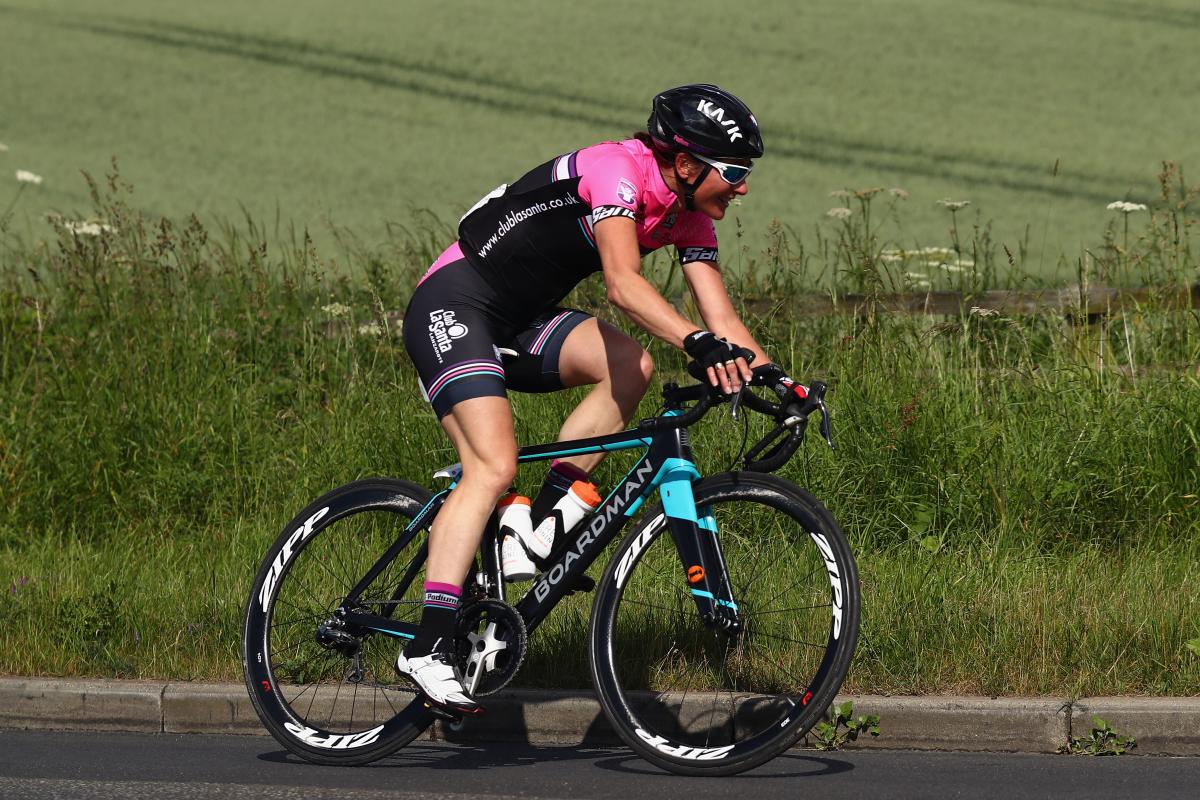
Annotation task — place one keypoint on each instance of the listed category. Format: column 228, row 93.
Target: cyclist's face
column 714, row 195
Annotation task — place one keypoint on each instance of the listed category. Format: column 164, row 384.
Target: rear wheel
column 325, row 691
column 700, row 701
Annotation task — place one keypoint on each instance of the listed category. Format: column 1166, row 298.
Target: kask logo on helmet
column 717, row 114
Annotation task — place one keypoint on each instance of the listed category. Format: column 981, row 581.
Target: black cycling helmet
column 705, row 119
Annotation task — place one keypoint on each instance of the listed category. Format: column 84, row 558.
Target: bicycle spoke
column 792, row 641
column 786, row 610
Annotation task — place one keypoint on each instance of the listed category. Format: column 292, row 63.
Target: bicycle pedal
column 451, row 713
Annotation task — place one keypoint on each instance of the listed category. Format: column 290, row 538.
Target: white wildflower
column 948, row 267
column 336, row 310
column 937, row 252
column 370, row 329
column 24, row 176
column 86, row 228
column 1125, row 208
column 840, row 194
column 896, row 191
column 892, row 256
column 839, row 213
column 980, row 311
column 954, row 205
column 3, row 147
column 916, row 276
column 922, row 285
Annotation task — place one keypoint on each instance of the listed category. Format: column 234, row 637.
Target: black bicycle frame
column 666, row 465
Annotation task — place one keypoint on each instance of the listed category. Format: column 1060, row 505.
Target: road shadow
column 498, row 755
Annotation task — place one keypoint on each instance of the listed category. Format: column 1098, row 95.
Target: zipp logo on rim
column 334, row 741
column 717, row 115
column 683, row 751
column 285, row 555
column 835, row 580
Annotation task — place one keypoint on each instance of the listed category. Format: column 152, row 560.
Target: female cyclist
column 485, row 317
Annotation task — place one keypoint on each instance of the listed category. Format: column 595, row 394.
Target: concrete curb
column 1162, row 725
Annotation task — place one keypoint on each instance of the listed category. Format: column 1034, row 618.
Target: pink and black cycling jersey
column 533, row 240
column 521, row 249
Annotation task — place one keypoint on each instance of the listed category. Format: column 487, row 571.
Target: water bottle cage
column 560, row 543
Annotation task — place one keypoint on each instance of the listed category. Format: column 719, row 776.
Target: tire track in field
column 1119, row 10
column 511, row 97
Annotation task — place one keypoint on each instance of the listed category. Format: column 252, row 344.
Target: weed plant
column 1022, row 493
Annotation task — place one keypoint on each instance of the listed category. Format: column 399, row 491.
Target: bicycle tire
column 696, row 701
column 308, row 695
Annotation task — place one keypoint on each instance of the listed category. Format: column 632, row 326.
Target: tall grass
column 1022, row 492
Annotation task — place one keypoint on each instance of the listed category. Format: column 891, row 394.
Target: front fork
column 694, row 532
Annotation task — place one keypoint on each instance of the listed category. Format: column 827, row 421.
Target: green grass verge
column 1021, row 492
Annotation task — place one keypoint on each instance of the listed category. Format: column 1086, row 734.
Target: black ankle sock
column 558, row 482
column 437, row 623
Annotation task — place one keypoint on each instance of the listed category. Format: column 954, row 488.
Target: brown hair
column 663, row 152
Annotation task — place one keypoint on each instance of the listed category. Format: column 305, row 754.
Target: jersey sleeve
column 696, row 239
column 611, row 186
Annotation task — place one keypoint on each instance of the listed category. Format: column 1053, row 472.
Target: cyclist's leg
column 567, row 348
column 619, row 369
column 453, row 347
column 481, row 430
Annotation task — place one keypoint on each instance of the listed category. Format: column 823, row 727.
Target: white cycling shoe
column 435, row 675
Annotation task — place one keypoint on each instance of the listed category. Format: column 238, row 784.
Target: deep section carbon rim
column 328, row 691
column 698, row 700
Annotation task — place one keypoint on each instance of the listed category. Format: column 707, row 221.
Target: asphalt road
column 38, row 764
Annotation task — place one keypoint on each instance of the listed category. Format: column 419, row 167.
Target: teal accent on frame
column 676, row 476
column 621, row 485
column 677, row 500
column 397, row 634
column 702, row 593
column 728, row 604
column 676, row 465
column 598, row 448
column 707, row 521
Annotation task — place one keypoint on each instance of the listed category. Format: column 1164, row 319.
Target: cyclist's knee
column 645, row 370
column 493, row 472
column 633, row 368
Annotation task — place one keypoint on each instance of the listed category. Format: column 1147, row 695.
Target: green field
column 308, row 112
column 1021, row 491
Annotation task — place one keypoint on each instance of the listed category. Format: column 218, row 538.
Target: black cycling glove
column 707, row 350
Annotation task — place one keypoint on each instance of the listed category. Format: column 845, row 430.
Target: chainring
column 490, row 641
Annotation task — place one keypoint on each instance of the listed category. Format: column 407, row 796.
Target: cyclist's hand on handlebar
column 717, row 361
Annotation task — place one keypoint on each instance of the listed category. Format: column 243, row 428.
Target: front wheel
column 325, row 690
column 697, row 700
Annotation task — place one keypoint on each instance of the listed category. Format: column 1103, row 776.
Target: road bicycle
column 721, row 629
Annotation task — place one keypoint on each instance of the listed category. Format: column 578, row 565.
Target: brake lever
column 736, row 402
column 826, row 426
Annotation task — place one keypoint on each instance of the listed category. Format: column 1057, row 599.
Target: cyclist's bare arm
column 716, row 309
column 616, row 239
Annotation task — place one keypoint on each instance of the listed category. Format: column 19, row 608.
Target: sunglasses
column 733, row 174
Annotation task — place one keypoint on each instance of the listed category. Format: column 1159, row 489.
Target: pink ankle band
column 448, row 588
